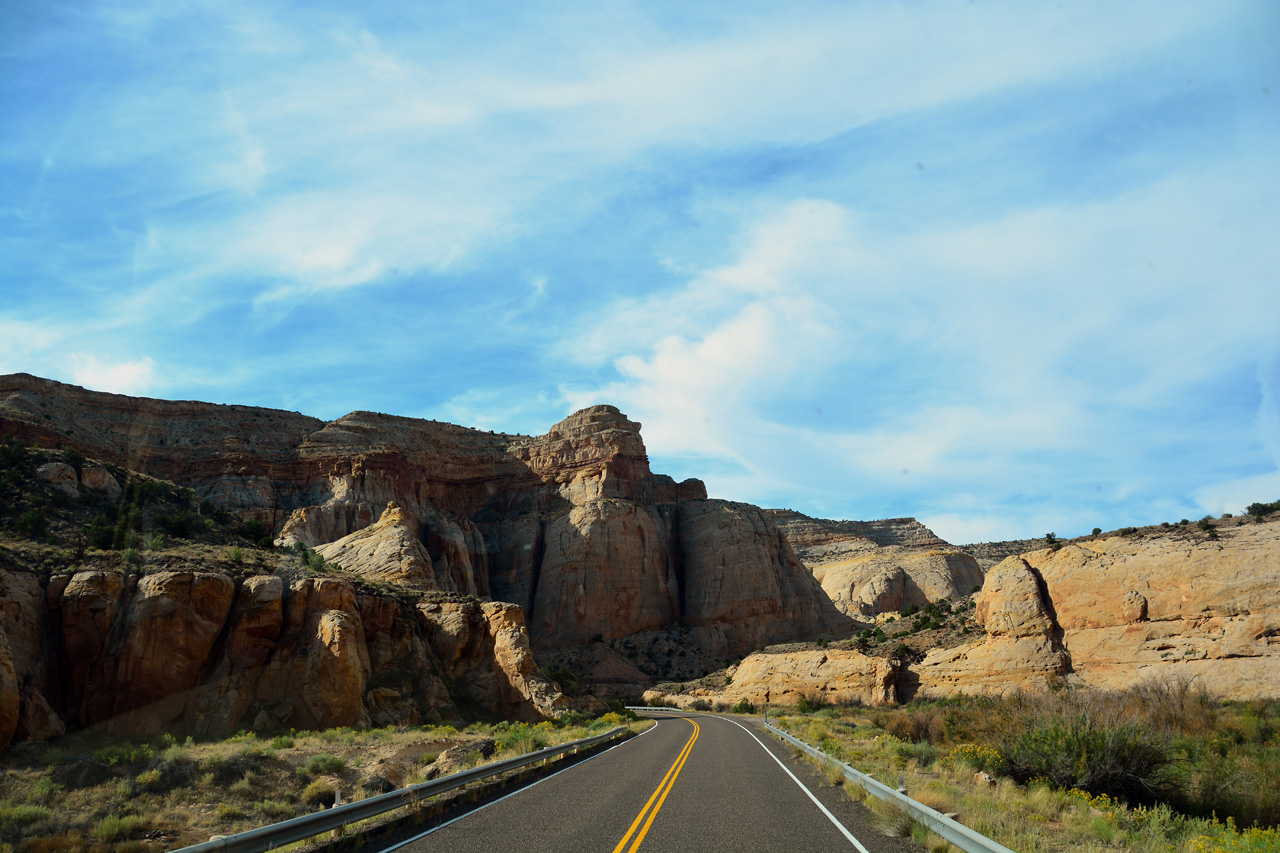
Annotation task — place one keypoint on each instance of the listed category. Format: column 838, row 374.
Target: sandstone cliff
column 873, row 567
column 571, row 525
column 427, row 522
column 207, row 653
column 1114, row 611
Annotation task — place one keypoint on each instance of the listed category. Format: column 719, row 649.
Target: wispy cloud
column 129, row 377
column 993, row 264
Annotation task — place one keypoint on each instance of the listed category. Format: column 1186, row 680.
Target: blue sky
column 1005, row 267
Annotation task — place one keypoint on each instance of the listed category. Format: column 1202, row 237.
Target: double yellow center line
column 659, row 797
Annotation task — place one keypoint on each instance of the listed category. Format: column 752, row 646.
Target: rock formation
column 785, row 677
column 1115, row 611
column 1108, row 612
column 872, row 567
column 571, row 525
column 829, row 675
column 199, row 652
column 569, row 533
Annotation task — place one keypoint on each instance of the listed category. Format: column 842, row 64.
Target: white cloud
column 126, row 377
column 971, row 357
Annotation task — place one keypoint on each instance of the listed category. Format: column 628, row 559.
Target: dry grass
column 1037, row 817
column 89, row 792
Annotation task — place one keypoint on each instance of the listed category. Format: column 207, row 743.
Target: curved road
column 694, row 782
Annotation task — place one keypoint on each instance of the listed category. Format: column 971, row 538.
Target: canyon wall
column 1156, row 604
column 207, row 653
column 571, row 527
column 873, row 567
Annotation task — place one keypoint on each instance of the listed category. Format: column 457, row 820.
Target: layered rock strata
column 572, row 525
column 873, row 567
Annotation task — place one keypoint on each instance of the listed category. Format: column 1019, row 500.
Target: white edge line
column 422, row 835
column 840, row 826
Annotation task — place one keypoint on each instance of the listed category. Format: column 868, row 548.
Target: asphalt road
column 694, row 782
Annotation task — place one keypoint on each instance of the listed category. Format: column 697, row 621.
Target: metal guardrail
column 300, row 828
column 958, row 834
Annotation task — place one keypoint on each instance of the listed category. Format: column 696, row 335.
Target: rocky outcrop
column 62, row 476
column 1022, row 649
column 1114, row 612
column 571, row 525
column 170, row 624
column 889, row 578
column 873, row 567
column 390, row 550
column 785, row 677
column 743, row 585
column 198, row 652
column 830, row 675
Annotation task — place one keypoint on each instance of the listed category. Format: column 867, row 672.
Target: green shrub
column 319, row 793
column 227, row 812
column 924, row 753
column 148, row 779
column 45, row 789
column 832, row 747
column 1127, row 760
column 744, row 706
column 235, row 555
column 1097, row 531
column 125, row 753
column 521, row 738
column 274, row 809
column 32, row 523
column 253, row 530
column 13, row 452
column 282, row 742
column 118, row 828
column 75, row 459
column 22, row 815
column 809, row 704
column 317, row 765
column 1259, row 510
column 100, row 532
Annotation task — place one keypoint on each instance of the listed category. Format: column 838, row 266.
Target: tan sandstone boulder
column 37, row 720
column 832, row 675
column 100, row 479
column 62, row 477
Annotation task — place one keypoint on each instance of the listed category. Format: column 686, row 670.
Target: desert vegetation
column 1161, row 766
column 147, row 520
column 89, row 791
